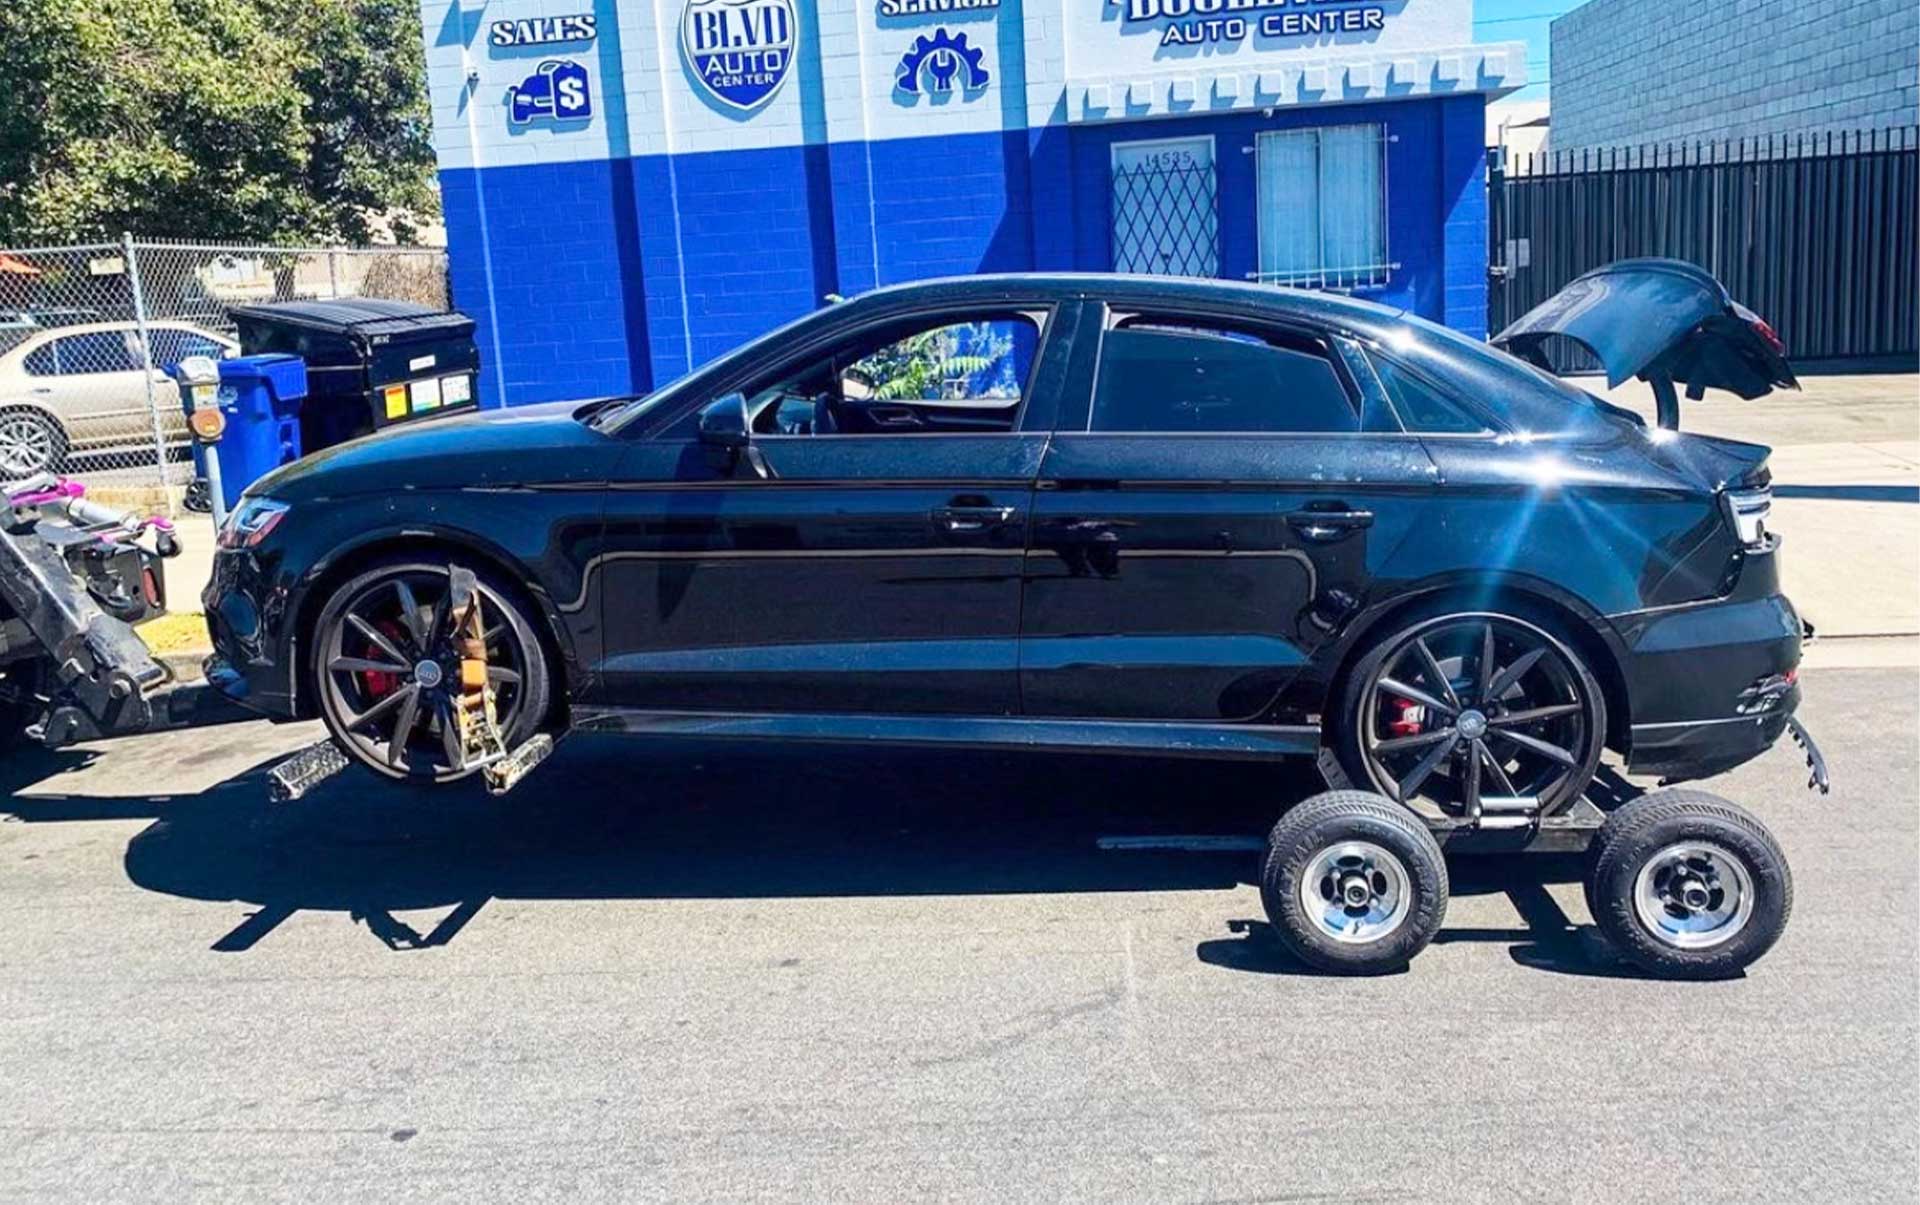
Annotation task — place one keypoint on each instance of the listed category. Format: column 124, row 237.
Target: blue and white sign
column 939, row 62
column 557, row 90
column 740, row 51
column 543, row 31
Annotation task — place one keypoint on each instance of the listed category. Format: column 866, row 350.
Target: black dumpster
column 370, row 363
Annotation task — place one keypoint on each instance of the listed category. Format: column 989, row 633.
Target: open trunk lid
column 1664, row 321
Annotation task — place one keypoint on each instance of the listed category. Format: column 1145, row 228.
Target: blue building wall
column 610, row 276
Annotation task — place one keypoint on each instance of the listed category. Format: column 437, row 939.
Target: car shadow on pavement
column 615, row 818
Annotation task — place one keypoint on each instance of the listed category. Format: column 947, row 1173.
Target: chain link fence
column 88, row 332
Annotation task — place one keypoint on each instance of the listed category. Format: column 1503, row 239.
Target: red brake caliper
column 1410, row 718
column 378, row 683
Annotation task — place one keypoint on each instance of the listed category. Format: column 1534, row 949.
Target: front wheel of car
column 31, row 441
column 1461, row 707
column 385, row 668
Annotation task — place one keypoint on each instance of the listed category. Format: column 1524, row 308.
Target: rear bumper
column 1712, row 683
column 1689, row 749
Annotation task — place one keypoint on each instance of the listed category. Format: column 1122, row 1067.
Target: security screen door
column 1165, row 218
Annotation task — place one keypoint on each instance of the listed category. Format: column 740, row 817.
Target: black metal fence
column 1815, row 234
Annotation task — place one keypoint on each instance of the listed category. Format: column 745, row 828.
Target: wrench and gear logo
column 941, row 61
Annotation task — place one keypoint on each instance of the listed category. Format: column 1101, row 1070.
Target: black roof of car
column 1272, row 300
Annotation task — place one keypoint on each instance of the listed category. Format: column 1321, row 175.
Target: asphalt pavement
column 743, row 972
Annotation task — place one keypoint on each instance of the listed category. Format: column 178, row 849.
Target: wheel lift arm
column 101, row 668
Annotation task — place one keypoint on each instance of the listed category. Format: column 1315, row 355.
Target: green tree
column 280, row 121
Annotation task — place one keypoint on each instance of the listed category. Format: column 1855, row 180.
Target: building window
column 1323, row 207
column 1165, row 220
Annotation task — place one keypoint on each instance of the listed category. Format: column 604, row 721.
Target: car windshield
column 1534, row 400
column 614, row 417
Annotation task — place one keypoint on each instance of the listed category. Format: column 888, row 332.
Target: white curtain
column 1350, row 200
column 1288, row 191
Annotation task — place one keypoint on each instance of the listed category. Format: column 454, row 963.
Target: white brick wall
column 1048, row 59
column 1634, row 72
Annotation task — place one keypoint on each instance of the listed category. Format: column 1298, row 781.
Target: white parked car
column 83, row 389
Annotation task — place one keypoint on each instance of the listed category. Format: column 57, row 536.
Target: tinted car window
column 1421, row 405
column 172, row 346
column 95, row 351
column 1170, row 377
column 40, row 362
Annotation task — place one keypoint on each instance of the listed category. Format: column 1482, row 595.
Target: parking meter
column 199, row 378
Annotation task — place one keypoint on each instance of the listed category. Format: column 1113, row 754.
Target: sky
column 1522, row 21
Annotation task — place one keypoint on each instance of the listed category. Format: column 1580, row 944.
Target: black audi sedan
column 1094, row 513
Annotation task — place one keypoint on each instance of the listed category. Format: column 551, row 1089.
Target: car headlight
column 1747, row 513
column 249, row 523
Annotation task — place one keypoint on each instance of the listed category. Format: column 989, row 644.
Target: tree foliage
column 282, row 121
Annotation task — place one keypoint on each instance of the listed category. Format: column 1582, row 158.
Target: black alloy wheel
column 387, row 670
column 1464, row 707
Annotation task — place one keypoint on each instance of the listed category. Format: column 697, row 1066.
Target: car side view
column 87, row 389
column 1112, row 515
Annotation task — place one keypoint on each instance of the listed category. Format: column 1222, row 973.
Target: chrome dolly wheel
column 1688, row 885
column 1356, row 891
column 1353, row 883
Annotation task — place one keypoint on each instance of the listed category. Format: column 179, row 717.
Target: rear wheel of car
column 31, row 441
column 1688, row 885
column 1353, row 883
column 1457, row 707
column 385, row 668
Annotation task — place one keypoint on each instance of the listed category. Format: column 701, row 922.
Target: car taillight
column 1767, row 333
column 1747, row 511
column 150, row 588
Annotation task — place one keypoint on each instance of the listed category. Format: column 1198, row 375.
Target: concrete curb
column 184, row 664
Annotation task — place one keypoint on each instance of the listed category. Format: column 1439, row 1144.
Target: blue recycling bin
column 260, row 396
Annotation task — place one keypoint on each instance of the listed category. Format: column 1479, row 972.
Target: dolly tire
column 1353, row 883
column 1687, row 885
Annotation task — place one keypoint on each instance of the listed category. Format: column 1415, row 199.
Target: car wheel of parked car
column 1688, row 886
column 31, row 441
column 1353, row 883
column 385, row 668
column 1456, row 707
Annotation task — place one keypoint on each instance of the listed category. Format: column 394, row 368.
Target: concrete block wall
column 1639, row 72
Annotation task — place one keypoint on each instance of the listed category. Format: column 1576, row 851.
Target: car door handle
column 1328, row 525
column 970, row 520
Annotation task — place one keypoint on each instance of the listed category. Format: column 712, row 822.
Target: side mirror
column 723, row 424
column 724, row 434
